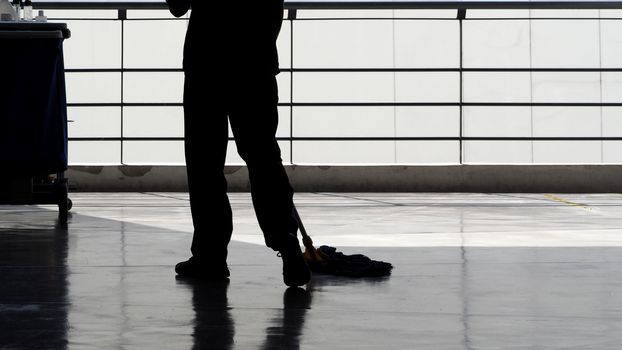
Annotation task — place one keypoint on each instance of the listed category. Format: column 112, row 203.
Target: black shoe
column 201, row 269
column 295, row 270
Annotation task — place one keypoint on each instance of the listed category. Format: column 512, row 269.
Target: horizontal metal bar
column 119, row 104
column 122, row 70
column 447, row 104
column 540, row 104
column 370, row 19
column 455, row 138
column 300, row 5
column 474, row 69
column 467, row 4
column 83, row 139
column 109, row 5
column 569, row 138
column 354, row 70
column 336, row 138
column 283, row 104
column 374, row 104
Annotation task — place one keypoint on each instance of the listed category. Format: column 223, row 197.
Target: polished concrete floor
column 472, row 271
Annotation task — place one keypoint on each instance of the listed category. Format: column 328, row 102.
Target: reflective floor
column 472, row 271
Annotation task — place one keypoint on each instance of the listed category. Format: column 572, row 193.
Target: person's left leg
column 254, row 121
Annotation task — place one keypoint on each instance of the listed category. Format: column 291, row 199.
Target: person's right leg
column 206, row 136
column 254, row 122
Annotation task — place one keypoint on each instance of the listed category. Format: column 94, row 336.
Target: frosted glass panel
column 613, row 13
column 153, row 122
column 582, row 87
column 566, row 122
column 427, row 152
column 152, row 14
column 611, row 44
column 153, row 152
column 343, row 121
column 496, row 44
column 434, row 44
column 94, row 121
column 340, row 44
column 343, row 87
column 283, row 45
column 93, row 44
column 612, row 152
column 154, row 44
column 427, row 122
column 472, row 13
column 497, row 121
column 285, row 151
column 377, row 87
column 94, row 152
column 342, row 152
column 233, row 158
column 497, row 87
column 612, row 87
column 285, row 89
column 569, row 152
column 152, row 87
column 612, row 121
column 565, row 44
column 564, row 13
column 284, row 122
column 344, row 14
column 93, row 87
column 500, row 152
column 427, row 87
column 81, row 14
column 424, row 13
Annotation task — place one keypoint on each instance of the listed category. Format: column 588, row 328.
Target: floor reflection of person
column 213, row 325
column 230, row 63
column 287, row 328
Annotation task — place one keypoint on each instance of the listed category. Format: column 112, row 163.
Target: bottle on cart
column 28, row 10
column 17, row 6
column 41, row 17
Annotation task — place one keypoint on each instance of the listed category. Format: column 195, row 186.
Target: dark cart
column 33, row 115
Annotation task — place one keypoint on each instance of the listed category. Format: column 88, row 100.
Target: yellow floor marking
column 565, row 201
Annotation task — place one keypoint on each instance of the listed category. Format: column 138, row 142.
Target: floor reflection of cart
column 33, row 115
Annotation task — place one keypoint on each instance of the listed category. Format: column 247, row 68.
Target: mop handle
column 303, row 232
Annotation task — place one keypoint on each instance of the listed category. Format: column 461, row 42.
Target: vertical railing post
column 461, row 16
column 291, row 16
column 122, row 17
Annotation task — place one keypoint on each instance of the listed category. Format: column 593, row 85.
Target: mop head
column 333, row 262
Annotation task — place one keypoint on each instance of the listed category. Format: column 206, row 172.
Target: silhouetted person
column 230, row 63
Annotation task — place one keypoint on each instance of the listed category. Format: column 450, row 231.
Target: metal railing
column 293, row 6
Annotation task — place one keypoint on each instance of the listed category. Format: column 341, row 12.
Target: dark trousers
column 249, row 102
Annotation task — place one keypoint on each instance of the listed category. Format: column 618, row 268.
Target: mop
column 327, row 260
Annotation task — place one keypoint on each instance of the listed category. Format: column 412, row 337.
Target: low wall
column 458, row 178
